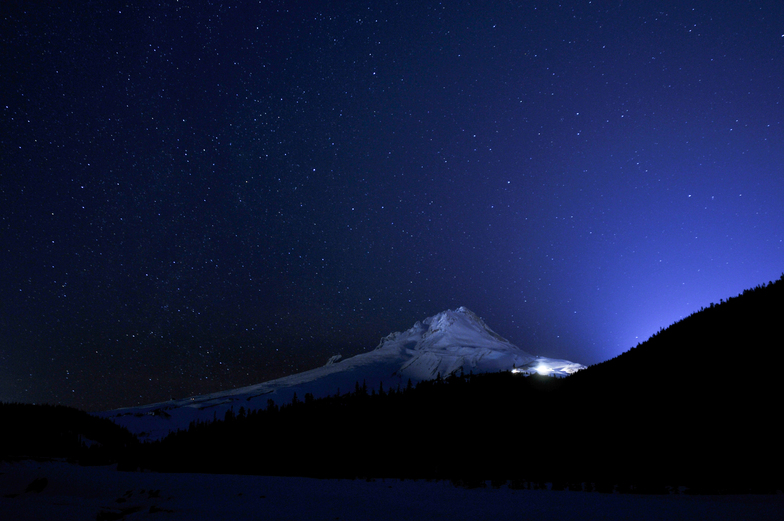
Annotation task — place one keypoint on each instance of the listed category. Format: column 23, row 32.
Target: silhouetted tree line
column 697, row 404
column 56, row 431
column 434, row 430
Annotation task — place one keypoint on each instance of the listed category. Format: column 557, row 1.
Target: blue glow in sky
column 197, row 197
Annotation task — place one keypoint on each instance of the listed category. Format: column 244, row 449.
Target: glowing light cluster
column 543, row 369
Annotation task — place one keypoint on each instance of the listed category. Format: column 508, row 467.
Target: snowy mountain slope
column 447, row 343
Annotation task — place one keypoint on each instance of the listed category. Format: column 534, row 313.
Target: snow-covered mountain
column 447, row 343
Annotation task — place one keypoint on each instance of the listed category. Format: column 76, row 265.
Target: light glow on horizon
column 543, row 369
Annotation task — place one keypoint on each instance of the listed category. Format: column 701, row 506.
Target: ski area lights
column 548, row 366
column 526, row 371
column 541, row 368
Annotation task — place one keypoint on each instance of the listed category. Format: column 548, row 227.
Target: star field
column 199, row 196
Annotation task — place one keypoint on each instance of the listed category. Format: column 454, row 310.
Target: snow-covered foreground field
column 102, row 493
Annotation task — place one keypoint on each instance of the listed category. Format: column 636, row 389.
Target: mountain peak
column 460, row 327
column 446, row 343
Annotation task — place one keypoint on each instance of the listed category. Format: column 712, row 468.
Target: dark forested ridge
column 722, row 336
column 694, row 406
column 56, row 431
column 432, row 430
column 698, row 402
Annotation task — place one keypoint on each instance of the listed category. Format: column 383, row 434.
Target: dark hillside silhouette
column 56, row 431
column 698, row 400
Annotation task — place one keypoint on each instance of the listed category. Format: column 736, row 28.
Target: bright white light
column 543, row 369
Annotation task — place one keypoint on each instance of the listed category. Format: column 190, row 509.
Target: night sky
column 196, row 196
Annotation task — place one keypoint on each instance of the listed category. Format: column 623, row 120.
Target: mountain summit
column 447, row 343
column 454, row 341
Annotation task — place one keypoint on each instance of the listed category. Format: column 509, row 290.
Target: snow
column 77, row 493
column 447, row 343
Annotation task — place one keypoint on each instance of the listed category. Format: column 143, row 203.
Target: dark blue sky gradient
column 198, row 196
